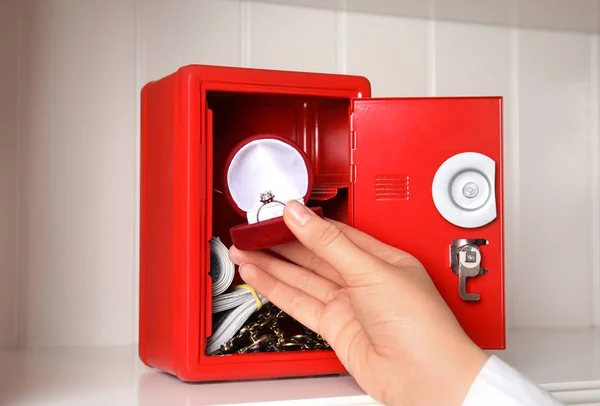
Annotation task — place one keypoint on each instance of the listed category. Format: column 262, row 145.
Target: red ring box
column 373, row 162
column 261, row 163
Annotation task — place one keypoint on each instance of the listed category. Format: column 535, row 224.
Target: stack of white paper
column 234, row 308
column 222, row 270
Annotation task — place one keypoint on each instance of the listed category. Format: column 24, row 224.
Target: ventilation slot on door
column 392, row 187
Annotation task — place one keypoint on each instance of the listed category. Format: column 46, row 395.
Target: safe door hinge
column 352, row 150
column 352, row 145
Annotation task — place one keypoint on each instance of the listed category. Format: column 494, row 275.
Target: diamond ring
column 266, row 198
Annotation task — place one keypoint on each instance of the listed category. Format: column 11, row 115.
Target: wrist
column 447, row 374
column 461, row 367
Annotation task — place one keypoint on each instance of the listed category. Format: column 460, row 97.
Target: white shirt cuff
column 500, row 385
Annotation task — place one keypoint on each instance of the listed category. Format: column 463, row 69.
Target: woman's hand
column 374, row 304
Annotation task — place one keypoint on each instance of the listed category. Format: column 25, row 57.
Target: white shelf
column 549, row 356
column 566, row 362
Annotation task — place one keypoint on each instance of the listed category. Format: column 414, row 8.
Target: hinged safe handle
column 465, row 260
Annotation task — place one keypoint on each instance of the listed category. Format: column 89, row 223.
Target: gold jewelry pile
column 272, row 330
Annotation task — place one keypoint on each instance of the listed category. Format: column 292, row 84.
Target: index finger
column 356, row 266
column 296, row 252
column 388, row 253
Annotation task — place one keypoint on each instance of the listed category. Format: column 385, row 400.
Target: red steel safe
column 422, row 174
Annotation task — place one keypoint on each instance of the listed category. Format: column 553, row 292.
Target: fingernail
column 241, row 272
column 234, row 255
column 298, row 213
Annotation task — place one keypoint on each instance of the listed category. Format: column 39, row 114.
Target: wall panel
column 69, row 161
column 290, row 37
column 183, row 32
column 9, row 93
column 555, row 196
column 77, row 172
column 390, row 51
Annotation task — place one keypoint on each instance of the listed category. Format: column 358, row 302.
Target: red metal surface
column 190, row 122
column 193, row 118
column 409, row 139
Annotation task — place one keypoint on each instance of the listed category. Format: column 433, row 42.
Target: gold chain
column 272, row 330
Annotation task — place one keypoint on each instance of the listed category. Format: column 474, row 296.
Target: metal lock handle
column 465, row 260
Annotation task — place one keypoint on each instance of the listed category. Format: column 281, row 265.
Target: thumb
column 327, row 241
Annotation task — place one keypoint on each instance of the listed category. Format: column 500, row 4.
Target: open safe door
column 428, row 179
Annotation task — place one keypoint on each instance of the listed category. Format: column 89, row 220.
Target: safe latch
column 465, row 260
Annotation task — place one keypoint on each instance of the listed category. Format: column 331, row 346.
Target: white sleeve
column 498, row 384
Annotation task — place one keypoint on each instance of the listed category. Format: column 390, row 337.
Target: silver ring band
column 266, row 198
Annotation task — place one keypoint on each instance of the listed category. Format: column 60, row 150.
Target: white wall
column 77, row 172
column 9, row 67
column 85, row 61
